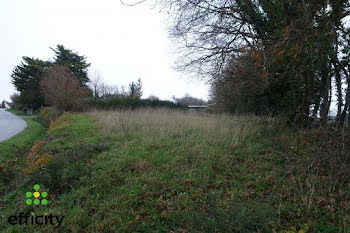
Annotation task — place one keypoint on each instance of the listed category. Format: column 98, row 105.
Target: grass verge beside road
column 172, row 171
column 22, row 142
column 19, row 113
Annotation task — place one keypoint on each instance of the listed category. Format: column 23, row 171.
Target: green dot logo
column 38, row 197
column 36, row 187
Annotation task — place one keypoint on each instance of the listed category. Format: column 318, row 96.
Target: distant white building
column 198, row 107
column 5, row 105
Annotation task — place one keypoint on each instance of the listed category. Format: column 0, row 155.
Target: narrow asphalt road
column 10, row 125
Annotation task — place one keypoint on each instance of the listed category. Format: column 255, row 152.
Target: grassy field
column 173, row 171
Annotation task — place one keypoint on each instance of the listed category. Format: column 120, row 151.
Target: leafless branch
column 133, row 4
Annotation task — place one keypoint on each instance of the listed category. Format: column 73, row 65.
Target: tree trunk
column 346, row 106
column 338, row 82
column 325, row 98
column 339, row 92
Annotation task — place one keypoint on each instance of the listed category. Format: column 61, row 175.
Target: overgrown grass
column 171, row 171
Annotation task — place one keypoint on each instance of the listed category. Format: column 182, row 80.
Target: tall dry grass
column 192, row 165
column 219, row 173
column 196, row 127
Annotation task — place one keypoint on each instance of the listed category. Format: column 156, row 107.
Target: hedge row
column 128, row 103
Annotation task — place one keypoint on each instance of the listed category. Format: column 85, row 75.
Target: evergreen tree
column 26, row 78
column 74, row 61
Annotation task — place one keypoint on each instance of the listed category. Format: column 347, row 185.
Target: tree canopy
column 281, row 55
column 74, row 61
column 26, row 76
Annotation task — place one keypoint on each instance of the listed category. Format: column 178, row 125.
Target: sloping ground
column 22, row 142
column 163, row 171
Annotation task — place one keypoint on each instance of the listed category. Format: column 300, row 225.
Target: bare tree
column 295, row 44
column 207, row 33
column 61, row 88
column 95, row 83
column 153, row 3
column 123, row 92
column 100, row 87
column 107, row 90
column 135, row 89
column 133, row 3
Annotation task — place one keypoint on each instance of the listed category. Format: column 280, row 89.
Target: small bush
column 47, row 115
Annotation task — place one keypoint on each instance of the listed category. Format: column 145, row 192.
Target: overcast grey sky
column 122, row 43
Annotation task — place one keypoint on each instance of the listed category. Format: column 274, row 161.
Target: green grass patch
column 19, row 113
column 21, row 142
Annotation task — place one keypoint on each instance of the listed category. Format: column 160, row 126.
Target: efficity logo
column 38, row 201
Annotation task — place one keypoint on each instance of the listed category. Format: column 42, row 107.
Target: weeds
column 173, row 171
column 48, row 115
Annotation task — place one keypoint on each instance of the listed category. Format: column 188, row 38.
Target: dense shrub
column 128, row 103
column 61, row 88
column 47, row 115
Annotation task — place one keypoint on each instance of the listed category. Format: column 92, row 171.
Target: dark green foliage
column 128, row 103
column 26, row 78
column 74, row 61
